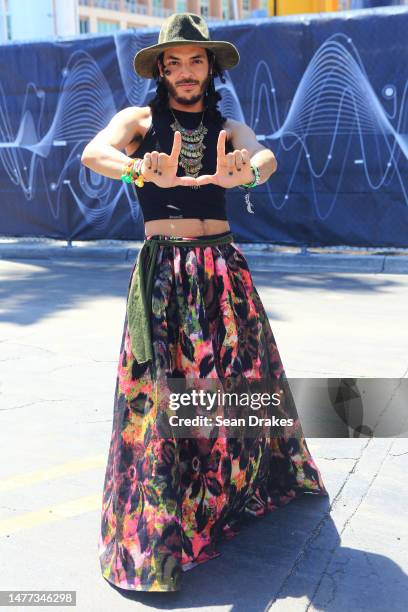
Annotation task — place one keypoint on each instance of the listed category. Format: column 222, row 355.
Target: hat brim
column 145, row 59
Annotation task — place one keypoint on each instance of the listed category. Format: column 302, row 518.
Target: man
column 182, row 65
column 193, row 314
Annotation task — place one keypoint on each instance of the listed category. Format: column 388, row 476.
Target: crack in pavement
column 349, row 519
column 18, row 407
column 336, row 458
column 40, row 348
column 405, row 373
column 334, row 583
column 317, row 529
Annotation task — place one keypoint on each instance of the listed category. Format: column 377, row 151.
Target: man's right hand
column 161, row 169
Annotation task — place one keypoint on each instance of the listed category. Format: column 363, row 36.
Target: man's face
column 182, row 65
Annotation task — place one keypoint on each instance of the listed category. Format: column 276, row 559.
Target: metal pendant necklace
column 192, row 147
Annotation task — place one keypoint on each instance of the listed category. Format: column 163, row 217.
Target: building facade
column 33, row 19
column 111, row 15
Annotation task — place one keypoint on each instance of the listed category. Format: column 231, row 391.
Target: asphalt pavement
column 61, row 319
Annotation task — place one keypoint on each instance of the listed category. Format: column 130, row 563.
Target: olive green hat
column 184, row 29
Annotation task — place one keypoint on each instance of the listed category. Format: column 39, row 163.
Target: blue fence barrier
column 326, row 93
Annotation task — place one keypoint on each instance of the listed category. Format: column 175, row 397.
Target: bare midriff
column 176, row 227
column 186, row 227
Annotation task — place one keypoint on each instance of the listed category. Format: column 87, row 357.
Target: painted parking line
column 51, row 514
column 57, row 471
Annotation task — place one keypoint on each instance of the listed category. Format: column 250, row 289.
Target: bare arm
column 103, row 154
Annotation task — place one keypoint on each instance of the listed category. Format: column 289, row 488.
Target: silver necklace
column 192, row 147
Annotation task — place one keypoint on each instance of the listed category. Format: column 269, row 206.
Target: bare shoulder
column 136, row 110
column 141, row 118
column 235, row 126
column 134, row 114
column 124, row 128
column 130, row 114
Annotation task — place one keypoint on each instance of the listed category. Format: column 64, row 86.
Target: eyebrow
column 192, row 57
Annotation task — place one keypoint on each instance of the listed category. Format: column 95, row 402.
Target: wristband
column 257, row 177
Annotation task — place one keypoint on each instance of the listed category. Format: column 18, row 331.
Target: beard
column 189, row 100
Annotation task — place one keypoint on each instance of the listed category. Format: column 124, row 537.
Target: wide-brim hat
column 184, row 29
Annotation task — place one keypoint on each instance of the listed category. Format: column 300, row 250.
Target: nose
column 185, row 74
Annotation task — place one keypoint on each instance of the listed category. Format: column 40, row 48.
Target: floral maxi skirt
column 167, row 501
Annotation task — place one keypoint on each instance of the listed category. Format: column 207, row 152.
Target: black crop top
column 206, row 202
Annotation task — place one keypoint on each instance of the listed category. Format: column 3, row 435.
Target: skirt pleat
column 167, row 501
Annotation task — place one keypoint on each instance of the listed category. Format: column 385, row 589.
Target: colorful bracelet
column 127, row 173
column 257, row 178
column 132, row 173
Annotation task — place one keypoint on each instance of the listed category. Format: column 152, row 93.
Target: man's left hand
column 233, row 169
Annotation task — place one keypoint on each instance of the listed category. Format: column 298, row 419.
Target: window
column 103, row 25
column 225, row 9
column 5, row 21
column 83, row 25
column 8, row 26
column 246, row 9
column 130, row 6
column 204, row 8
column 112, row 5
column 181, row 6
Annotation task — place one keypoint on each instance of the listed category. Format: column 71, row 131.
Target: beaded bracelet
column 132, row 173
column 127, row 173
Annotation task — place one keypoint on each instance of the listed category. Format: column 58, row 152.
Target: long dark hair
column 161, row 101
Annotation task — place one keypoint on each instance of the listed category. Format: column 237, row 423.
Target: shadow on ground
column 32, row 290
column 294, row 552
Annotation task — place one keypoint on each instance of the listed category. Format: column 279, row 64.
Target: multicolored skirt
column 167, row 500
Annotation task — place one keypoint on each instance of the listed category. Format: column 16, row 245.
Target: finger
column 238, row 160
column 148, row 161
column 221, row 146
column 147, row 165
column 161, row 163
column 155, row 159
column 230, row 163
column 175, row 151
column 246, row 159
